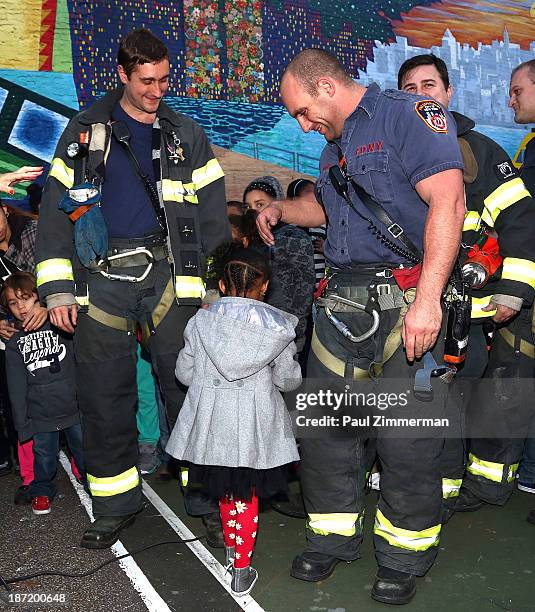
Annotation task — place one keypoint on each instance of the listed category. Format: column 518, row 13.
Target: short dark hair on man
column 140, row 47
column 310, row 65
column 530, row 65
column 427, row 59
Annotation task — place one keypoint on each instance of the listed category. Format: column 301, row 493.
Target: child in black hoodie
column 41, row 383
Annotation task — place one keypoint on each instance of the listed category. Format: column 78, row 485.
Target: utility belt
column 370, row 289
column 373, row 290
column 130, row 253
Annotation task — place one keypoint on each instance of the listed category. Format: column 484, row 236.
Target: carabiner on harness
column 126, row 277
column 343, row 328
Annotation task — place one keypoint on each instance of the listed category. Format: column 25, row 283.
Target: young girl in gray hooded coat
column 234, row 430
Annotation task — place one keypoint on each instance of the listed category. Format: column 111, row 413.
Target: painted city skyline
column 479, row 76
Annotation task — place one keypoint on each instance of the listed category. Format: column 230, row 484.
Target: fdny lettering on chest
column 371, row 147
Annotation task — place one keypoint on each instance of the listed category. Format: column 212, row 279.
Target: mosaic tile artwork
column 227, row 57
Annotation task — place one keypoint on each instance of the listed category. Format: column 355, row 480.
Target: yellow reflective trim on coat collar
column 405, row 538
column 113, row 485
column 521, row 270
column 51, row 270
column 209, row 173
column 501, row 198
column 60, row 171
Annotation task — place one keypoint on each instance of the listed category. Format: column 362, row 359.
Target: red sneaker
column 41, row 504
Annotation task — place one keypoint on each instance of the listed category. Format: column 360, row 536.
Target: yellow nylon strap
column 405, row 538
column 521, row 270
column 189, row 287
column 60, row 171
column 158, row 314
column 113, row 485
column 526, row 348
column 501, row 198
column 207, row 174
column 331, row 362
column 485, row 469
column 51, row 270
column 392, row 343
column 109, row 320
column 341, row 523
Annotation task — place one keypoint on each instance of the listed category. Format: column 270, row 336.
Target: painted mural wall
column 56, row 56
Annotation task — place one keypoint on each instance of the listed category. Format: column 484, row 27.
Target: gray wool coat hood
column 238, row 356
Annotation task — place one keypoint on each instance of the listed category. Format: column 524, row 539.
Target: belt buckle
column 383, row 289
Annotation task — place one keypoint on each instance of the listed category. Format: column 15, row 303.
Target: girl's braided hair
column 239, row 268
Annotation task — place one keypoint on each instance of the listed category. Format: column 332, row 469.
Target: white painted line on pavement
column 139, row 581
column 197, row 548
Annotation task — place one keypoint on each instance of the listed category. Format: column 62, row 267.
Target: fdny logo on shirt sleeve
column 433, row 115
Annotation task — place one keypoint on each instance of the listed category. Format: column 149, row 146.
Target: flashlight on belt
column 483, row 260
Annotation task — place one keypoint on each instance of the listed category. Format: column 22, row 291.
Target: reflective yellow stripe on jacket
column 189, row 287
column 521, row 270
column 472, row 221
column 113, row 485
column 53, row 270
column 477, row 307
column 490, row 470
column 450, row 487
column 341, row 523
column 177, row 191
column 62, row 172
column 501, row 198
column 209, row 173
column 405, row 538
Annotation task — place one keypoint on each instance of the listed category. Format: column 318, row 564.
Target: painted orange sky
column 470, row 22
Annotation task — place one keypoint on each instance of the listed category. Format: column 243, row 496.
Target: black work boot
column 393, row 587
column 313, row 566
column 214, row 530
column 105, row 531
column 243, row 580
column 468, row 501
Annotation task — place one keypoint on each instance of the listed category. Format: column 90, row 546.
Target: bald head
column 310, row 65
column 319, row 93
